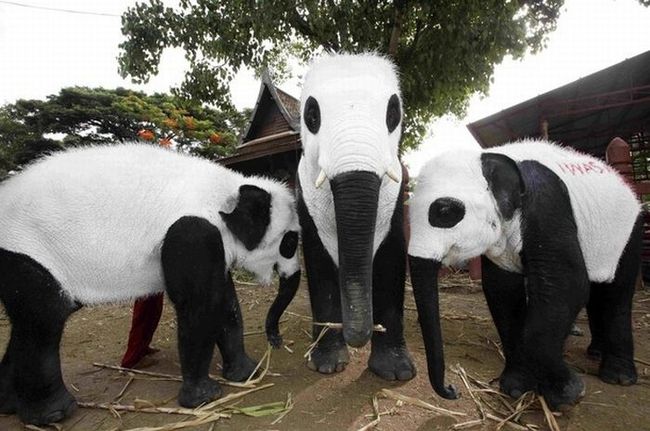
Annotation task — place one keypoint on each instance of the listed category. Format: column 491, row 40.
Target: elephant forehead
column 452, row 169
column 363, row 70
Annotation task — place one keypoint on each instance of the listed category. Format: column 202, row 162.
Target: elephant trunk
column 356, row 196
column 286, row 293
column 424, row 277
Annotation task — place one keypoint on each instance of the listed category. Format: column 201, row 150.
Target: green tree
column 446, row 49
column 84, row 116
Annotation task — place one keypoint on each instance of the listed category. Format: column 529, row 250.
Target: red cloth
column 146, row 315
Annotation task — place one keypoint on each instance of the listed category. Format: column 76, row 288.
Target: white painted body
column 353, row 93
column 96, row 217
column 604, row 207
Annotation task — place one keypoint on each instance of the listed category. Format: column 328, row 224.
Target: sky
column 42, row 51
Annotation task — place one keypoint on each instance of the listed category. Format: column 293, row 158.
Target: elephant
column 112, row 223
column 350, row 207
column 557, row 230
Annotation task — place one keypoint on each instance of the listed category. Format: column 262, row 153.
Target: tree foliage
column 445, row 49
column 85, row 116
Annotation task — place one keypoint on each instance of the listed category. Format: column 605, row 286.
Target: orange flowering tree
column 174, row 122
column 83, row 116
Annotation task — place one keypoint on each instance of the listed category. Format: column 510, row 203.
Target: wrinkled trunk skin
column 356, row 195
column 286, row 293
column 424, row 277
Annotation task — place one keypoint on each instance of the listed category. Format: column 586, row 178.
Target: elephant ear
column 251, row 217
column 505, row 182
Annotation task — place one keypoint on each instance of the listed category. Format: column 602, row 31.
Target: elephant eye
column 393, row 113
column 446, row 212
column 312, row 115
column 289, row 244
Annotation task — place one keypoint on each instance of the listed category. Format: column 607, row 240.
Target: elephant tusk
column 392, row 175
column 321, row 179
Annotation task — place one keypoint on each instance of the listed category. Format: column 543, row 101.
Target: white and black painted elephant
column 350, row 209
column 557, row 230
column 114, row 223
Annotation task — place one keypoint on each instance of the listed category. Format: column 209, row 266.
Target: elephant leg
column 554, row 300
column 237, row 365
column 389, row 358
column 610, row 317
column 506, row 298
column 331, row 353
column 31, row 367
column 557, row 282
column 194, row 269
column 596, row 312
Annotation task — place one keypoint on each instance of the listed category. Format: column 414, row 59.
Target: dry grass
column 494, row 410
column 208, row 413
column 205, row 414
column 494, row 406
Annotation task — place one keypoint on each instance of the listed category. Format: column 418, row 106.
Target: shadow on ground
column 341, row 401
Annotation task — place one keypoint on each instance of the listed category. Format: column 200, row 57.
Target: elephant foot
column 193, row 394
column 329, row 359
column 54, row 408
column 617, row 371
column 516, row 382
column 562, row 397
column 391, row 363
column 240, row 370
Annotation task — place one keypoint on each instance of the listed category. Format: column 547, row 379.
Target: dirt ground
column 341, row 401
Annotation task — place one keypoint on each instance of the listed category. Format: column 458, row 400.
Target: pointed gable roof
column 273, row 128
column 273, row 106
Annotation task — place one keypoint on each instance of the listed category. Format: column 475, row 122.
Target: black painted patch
column 610, row 315
column 504, row 179
column 37, row 309
column 249, row 220
column 311, row 115
column 557, row 283
column 289, row 244
column 393, row 113
column 324, row 294
column 389, row 358
column 446, row 212
column 356, row 194
column 199, row 286
column 286, row 293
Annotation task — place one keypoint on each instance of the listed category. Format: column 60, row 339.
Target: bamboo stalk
column 312, row 346
column 205, row 419
column 136, row 409
column 267, row 357
column 288, row 407
column 231, row 397
column 121, row 394
column 641, row 361
column 468, row 424
column 550, row 419
column 463, row 376
column 419, row 403
column 331, row 325
column 167, row 376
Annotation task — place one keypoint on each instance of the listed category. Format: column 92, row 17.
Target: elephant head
column 465, row 204
column 350, row 129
